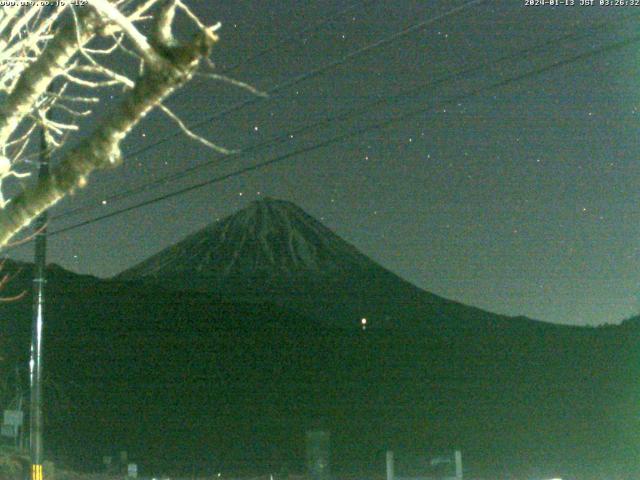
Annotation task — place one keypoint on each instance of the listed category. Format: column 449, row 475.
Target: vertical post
column 19, row 428
column 318, row 455
column 35, row 363
column 458, row 459
column 390, row 471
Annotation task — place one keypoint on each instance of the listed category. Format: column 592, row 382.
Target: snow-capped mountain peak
column 267, row 237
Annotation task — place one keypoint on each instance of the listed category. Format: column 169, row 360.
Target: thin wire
column 290, row 38
column 357, row 132
column 277, row 139
column 300, row 33
column 316, row 72
column 308, row 75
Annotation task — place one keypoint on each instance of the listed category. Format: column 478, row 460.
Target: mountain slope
column 269, row 237
column 272, row 250
column 217, row 353
column 186, row 379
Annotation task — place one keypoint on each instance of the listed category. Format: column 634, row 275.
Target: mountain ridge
column 273, row 250
column 268, row 234
column 232, row 371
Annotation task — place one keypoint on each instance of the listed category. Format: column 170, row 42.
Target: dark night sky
column 519, row 200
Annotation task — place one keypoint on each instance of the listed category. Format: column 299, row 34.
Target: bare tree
column 56, row 58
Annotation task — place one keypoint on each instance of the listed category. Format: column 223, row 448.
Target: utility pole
column 35, row 363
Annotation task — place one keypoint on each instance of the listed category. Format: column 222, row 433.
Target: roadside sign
column 13, row 417
column 10, row 431
column 132, row 470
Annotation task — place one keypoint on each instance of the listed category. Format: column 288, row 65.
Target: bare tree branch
column 36, row 78
column 57, row 59
column 193, row 135
column 102, row 148
column 107, row 10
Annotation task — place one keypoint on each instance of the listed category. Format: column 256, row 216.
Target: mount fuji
column 224, row 348
column 274, row 251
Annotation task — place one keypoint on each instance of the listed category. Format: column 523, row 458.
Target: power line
column 357, row 132
column 298, row 34
column 277, row 139
column 311, row 74
column 289, row 38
